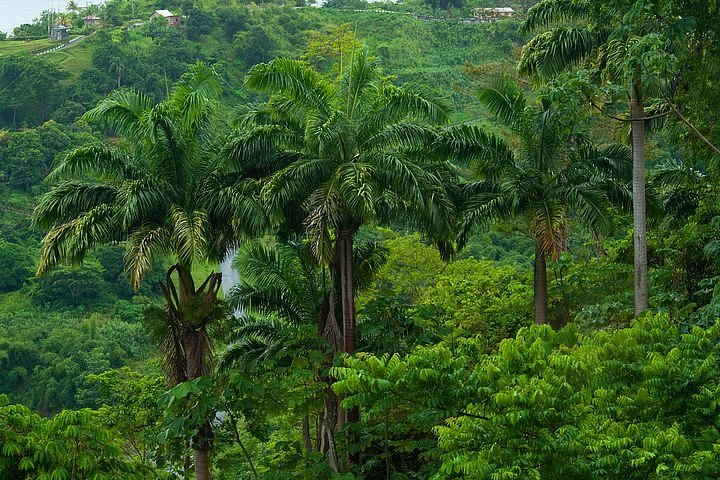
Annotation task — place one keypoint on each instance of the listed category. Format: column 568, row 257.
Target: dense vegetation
column 464, row 250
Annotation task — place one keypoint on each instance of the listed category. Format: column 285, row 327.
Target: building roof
column 164, row 13
column 61, row 27
column 494, row 9
column 92, row 17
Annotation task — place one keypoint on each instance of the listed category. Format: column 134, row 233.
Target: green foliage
column 628, row 404
column 631, row 403
column 18, row 265
column 30, row 84
column 127, row 405
column 70, row 287
column 69, row 445
column 417, row 298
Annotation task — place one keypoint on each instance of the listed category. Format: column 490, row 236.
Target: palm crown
column 349, row 153
column 162, row 190
column 550, row 174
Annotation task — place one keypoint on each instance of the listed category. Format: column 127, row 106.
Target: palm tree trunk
column 347, row 263
column 201, row 458
column 196, row 344
column 637, row 115
column 345, row 250
column 540, row 287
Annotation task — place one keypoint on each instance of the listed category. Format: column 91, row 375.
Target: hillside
column 42, row 96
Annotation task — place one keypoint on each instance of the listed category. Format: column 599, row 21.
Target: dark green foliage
column 18, row 265
column 29, row 89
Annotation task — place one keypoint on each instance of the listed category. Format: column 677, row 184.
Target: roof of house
column 61, row 27
column 494, row 9
column 92, row 17
column 164, row 13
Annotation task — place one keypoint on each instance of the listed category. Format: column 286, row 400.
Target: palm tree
column 628, row 42
column 282, row 292
column 551, row 176
column 355, row 153
column 164, row 194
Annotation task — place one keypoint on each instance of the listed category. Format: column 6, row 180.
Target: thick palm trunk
column 540, row 287
column 637, row 115
column 191, row 310
column 197, row 366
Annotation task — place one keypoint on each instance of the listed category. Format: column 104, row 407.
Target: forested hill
column 466, row 249
column 42, row 97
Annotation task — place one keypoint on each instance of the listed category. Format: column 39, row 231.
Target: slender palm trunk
column 201, row 458
column 540, row 287
column 347, row 263
column 345, row 257
column 637, row 115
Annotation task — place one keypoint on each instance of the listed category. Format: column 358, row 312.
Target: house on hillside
column 492, row 14
column 59, row 32
column 91, row 22
column 173, row 20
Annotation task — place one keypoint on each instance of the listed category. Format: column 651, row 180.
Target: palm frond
column 403, row 136
column 70, row 241
column 355, row 184
column 590, row 204
column 196, row 94
column 549, row 228
column 325, row 212
column 294, row 79
column 369, row 258
column 551, row 13
column 552, row 52
column 327, row 135
column 190, row 231
column 256, row 151
column 505, row 100
column 94, row 160
column 489, row 154
column 143, row 246
column 294, row 183
column 254, row 340
column 235, row 204
column 395, row 103
column 122, row 110
column 69, row 200
column 143, row 198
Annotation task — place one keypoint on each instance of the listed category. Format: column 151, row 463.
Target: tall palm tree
column 629, row 42
column 544, row 174
column 355, row 153
column 164, row 193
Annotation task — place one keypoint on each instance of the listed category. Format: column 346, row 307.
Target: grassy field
column 74, row 59
column 34, row 46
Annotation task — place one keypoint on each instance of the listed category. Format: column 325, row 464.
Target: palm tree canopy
column 553, row 173
column 162, row 189
column 351, row 152
column 620, row 38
